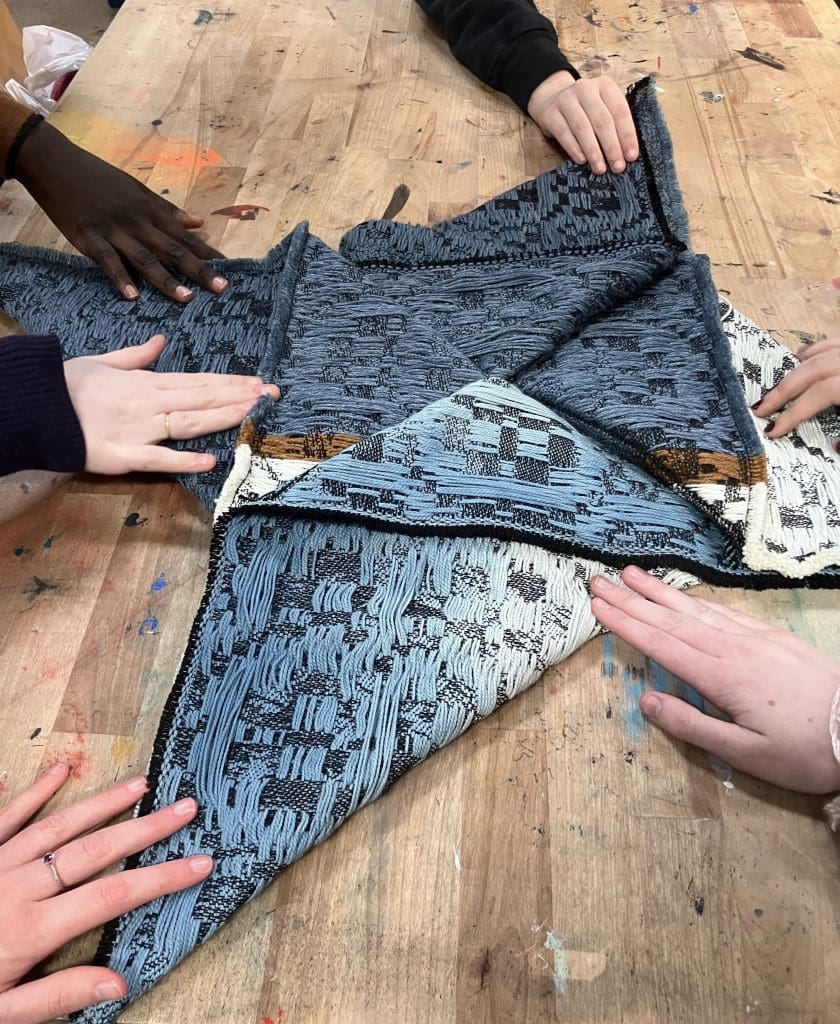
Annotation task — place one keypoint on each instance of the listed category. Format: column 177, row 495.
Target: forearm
column 39, row 428
column 508, row 44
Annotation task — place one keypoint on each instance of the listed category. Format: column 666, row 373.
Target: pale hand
column 810, row 388
column 590, row 118
column 37, row 917
column 122, row 408
column 776, row 687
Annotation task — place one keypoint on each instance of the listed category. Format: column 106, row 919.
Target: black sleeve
column 39, row 428
column 508, row 44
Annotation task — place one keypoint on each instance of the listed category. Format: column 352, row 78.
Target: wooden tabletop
column 562, row 861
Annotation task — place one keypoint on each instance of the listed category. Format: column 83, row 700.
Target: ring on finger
column 49, row 860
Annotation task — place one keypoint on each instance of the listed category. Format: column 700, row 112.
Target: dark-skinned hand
column 113, row 218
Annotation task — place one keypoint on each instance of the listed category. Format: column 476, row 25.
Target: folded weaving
column 476, row 417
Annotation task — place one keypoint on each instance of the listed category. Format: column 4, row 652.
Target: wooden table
column 562, row 861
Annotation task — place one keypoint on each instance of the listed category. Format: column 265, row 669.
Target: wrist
column 547, row 89
column 39, row 151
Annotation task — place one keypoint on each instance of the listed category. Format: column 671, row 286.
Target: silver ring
column 167, row 427
column 49, row 860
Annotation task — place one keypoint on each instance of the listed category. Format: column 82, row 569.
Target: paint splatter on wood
column 711, row 97
column 762, row 58
column 133, row 519
column 245, row 211
column 203, row 18
column 592, row 19
column 397, row 201
column 829, row 196
column 39, row 587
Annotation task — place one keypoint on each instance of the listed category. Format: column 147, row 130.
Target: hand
column 37, row 917
column 775, row 686
column 590, row 118
column 107, row 214
column 122, row 409
column 810, row 388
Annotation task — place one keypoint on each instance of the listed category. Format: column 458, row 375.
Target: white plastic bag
column 48, row 54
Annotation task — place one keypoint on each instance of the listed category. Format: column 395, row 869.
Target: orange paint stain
column 180, row 156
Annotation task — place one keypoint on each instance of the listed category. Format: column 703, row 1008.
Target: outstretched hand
column 41, row 911
column 810, row 388
column 590, row 118
column 776, row 687
column 125, row 410
column 113, row 218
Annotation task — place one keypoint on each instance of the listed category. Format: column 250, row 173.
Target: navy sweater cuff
column 527, row 62
column 39, row 428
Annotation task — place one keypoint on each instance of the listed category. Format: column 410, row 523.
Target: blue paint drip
column 608, row 655
column 666, row 682
column 148, row 627
column 158, row 584
column 693, row 9
column 633, row 718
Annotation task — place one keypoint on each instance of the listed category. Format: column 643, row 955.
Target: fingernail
column 137, row 785
column 632, row 154
column 58, row 769
column 651, row 707
column 618, row 166
column 107, row 990
column 183, row 293
column 184, row 807
column 218, row 284
column 599, row 168
column 202, row 864
column 131, row 292
column 769, row 427
column 267, row 390
column 755, row 405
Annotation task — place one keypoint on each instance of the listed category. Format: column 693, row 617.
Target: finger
column 52, row 832
column 816, row 399
column 60, row 994
column 211, row 382
column 76, row 912
column 211, row 395
column 155, row 459
column 198, row 423
column 697, row 668
column 581, row 128
column 557, row 126
column 735, row 744
column 601, row 119
column 26, row 805
column 829, row 346
column 106, row 255
column 85, row 857
column 625, row 127
column 200, row 247
column 148, row 264
column 655, row 590
column 176, row 254
column 135, row 357
column 698, row 626
column 793, row 385
column 189, row 220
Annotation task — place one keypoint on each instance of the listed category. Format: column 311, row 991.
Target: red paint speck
column 245, row 211
column 836, row 282
column 268, row 1020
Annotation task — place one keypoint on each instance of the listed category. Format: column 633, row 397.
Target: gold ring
column 167, row 427
column 49, row 860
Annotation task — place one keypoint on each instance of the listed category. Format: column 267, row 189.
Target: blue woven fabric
column 536, row 388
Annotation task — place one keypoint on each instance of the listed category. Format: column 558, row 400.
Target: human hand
column 37, row 916
column 112, row 217
column 776, row 687
column 590, row 118
column 808, row 389
column 125, row 410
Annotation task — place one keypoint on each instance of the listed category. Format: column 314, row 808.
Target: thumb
column 60, row 994
column 136, row 357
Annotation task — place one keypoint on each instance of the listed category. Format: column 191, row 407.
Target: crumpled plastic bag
column 49, row 54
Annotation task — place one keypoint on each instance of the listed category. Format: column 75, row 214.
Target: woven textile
column 476, row 417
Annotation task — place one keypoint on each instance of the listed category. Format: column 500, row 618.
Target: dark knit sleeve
column 39, row 428
column 508, row 44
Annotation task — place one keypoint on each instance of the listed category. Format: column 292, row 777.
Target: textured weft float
column 476, row 417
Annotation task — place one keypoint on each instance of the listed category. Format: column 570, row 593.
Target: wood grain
column 563, row 861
